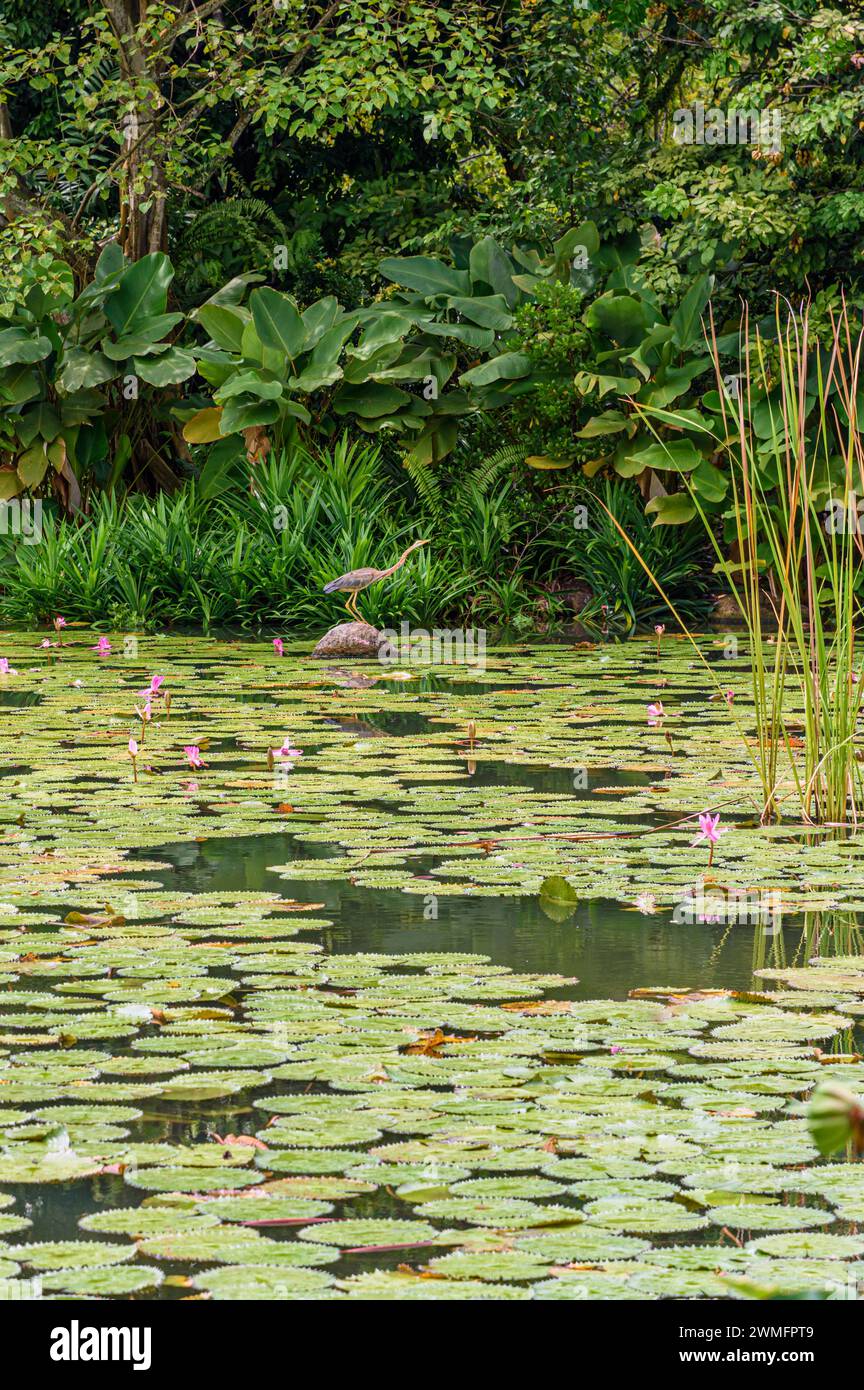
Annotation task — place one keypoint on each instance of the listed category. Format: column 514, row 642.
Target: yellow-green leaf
column 204, row 426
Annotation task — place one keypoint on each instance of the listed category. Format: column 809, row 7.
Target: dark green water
column 610, row 948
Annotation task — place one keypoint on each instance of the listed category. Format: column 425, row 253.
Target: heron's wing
column 354, row 579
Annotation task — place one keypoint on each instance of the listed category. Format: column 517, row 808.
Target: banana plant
column 263, row 362
column 271, row 364
column 438, row 347
column 467, row 311
column 71, row 371
column 643, row 363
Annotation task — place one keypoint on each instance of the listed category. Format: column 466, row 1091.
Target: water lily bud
column 835, row 1116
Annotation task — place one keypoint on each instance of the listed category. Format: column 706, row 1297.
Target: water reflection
column 611, row 948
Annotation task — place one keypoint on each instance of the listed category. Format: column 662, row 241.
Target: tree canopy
column 357, row 128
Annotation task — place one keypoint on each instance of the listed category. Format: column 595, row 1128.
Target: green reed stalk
column 784, row 464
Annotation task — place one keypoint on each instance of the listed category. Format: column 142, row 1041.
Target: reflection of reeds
column 769, row 948
column 831, row 934
column 825, row 933
column 799, row 456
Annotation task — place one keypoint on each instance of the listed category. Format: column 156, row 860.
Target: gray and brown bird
column 355, row 581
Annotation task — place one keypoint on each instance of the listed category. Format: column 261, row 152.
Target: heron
column 356, row 580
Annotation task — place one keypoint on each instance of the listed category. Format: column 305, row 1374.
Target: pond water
column 612, row 948
column 341, row 977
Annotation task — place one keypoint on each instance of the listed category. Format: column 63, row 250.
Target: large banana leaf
column 142, row 292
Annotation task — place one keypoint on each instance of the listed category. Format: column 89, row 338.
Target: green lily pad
column 190, row 1179
column 140, row 1222
column 750, row 1217
column 262, row 1282
column 112, row 1282
column 70, row 1254
column 349, row 1234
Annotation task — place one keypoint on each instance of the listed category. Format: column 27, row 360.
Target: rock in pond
column 350, row 639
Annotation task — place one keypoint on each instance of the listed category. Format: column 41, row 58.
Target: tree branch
column 190, row 19
column 243, row 121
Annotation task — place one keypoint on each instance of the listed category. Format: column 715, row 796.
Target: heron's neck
column 402, row 558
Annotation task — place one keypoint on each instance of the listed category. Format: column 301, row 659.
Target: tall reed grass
column 789, row 439
column 796, row 523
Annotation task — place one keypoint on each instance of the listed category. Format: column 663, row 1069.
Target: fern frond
column 490, row 469
column 235, row 235
column 427, row 485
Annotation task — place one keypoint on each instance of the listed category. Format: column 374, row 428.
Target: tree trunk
column 143, row 187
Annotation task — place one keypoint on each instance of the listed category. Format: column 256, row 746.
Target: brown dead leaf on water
column 427, row 1044
column 242, row 1141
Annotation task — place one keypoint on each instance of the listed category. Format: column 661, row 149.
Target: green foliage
column 238, row 236
column 588, row 545
column 70, row 369
column 555, row 340
column 402, row 182
column 379, row 129
column 389, row 365
column 251, row 558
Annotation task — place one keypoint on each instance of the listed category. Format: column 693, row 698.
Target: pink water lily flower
column 656, row 712
column 193, row 755
column 709, row 830
column 659, row 628
column 287, row 751
column 278, row 646
column 103, row 647
column 133, row 748
column 59, row 624
column 153, row 689
column 5, row 668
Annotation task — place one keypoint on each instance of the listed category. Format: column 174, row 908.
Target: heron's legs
column 351, row 605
